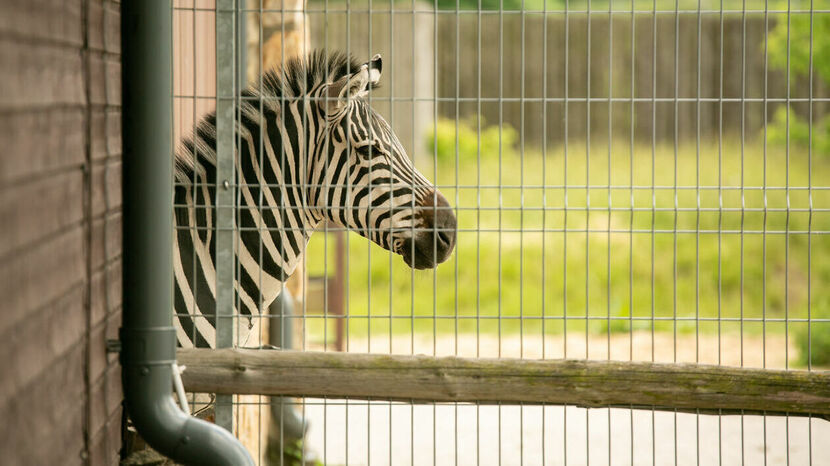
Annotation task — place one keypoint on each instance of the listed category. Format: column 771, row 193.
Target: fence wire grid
column 632, row 181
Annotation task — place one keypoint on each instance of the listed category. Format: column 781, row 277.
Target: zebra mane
column 300, row 74
column 295, row 78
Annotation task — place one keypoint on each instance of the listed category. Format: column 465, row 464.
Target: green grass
column 520, row 256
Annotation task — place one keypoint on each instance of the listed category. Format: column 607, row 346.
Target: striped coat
column 308, row 148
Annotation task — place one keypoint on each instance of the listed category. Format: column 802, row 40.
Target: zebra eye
column 369, row 150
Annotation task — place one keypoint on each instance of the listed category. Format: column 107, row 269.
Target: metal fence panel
column 633, row 181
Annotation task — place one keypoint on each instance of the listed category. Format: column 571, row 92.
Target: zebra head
column 368, row 182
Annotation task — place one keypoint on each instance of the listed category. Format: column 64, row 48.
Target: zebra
column 308, row 148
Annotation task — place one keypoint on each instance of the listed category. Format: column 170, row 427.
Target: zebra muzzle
column 434, row 241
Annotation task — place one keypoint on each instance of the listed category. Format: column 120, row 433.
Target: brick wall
column 60, row 231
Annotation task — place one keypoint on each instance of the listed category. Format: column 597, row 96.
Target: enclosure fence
column 643, row 226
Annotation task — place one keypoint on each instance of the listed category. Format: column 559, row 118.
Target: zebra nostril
column 444, row 238
column 435, row 245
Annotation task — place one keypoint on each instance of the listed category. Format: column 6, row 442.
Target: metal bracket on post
column 225, row 189
column 148, row 346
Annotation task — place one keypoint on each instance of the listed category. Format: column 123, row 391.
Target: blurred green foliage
column 799, row 50
column 292, row 453
column 515, row 270
column 473, row 142
column 813, row 342
column 802, row 42
column 799, row 133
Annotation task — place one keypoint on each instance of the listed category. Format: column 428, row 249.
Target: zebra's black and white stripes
column 309, row 148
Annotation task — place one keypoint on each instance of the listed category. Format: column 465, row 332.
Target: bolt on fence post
column 226, row 197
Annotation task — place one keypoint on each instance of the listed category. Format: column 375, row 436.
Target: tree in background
column 802, row 29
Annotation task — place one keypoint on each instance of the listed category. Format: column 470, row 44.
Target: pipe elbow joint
column 177, row 435
column 146, row 362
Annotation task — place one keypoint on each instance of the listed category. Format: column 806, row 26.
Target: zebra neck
column 272, row 222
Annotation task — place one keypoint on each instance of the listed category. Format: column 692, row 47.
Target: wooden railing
column 680, row 387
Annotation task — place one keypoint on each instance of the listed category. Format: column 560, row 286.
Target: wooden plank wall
column 60, row 237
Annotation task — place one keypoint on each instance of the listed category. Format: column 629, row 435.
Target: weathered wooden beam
column 681, row 387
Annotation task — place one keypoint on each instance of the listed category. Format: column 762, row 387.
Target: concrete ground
column 381, row 433
column 361, row 434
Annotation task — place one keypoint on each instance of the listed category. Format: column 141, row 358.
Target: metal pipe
column 289, row 424
column 147, row 335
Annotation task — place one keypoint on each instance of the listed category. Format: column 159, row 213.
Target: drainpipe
column 291, row 426
column 147, row 335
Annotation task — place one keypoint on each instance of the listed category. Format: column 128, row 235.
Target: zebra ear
column 348, row 87
column 375, row 66
column 354, row 86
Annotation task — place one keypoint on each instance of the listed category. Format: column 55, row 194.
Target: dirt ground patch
column 728, row 349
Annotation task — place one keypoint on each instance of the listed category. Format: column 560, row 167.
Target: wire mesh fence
column 632, row 181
